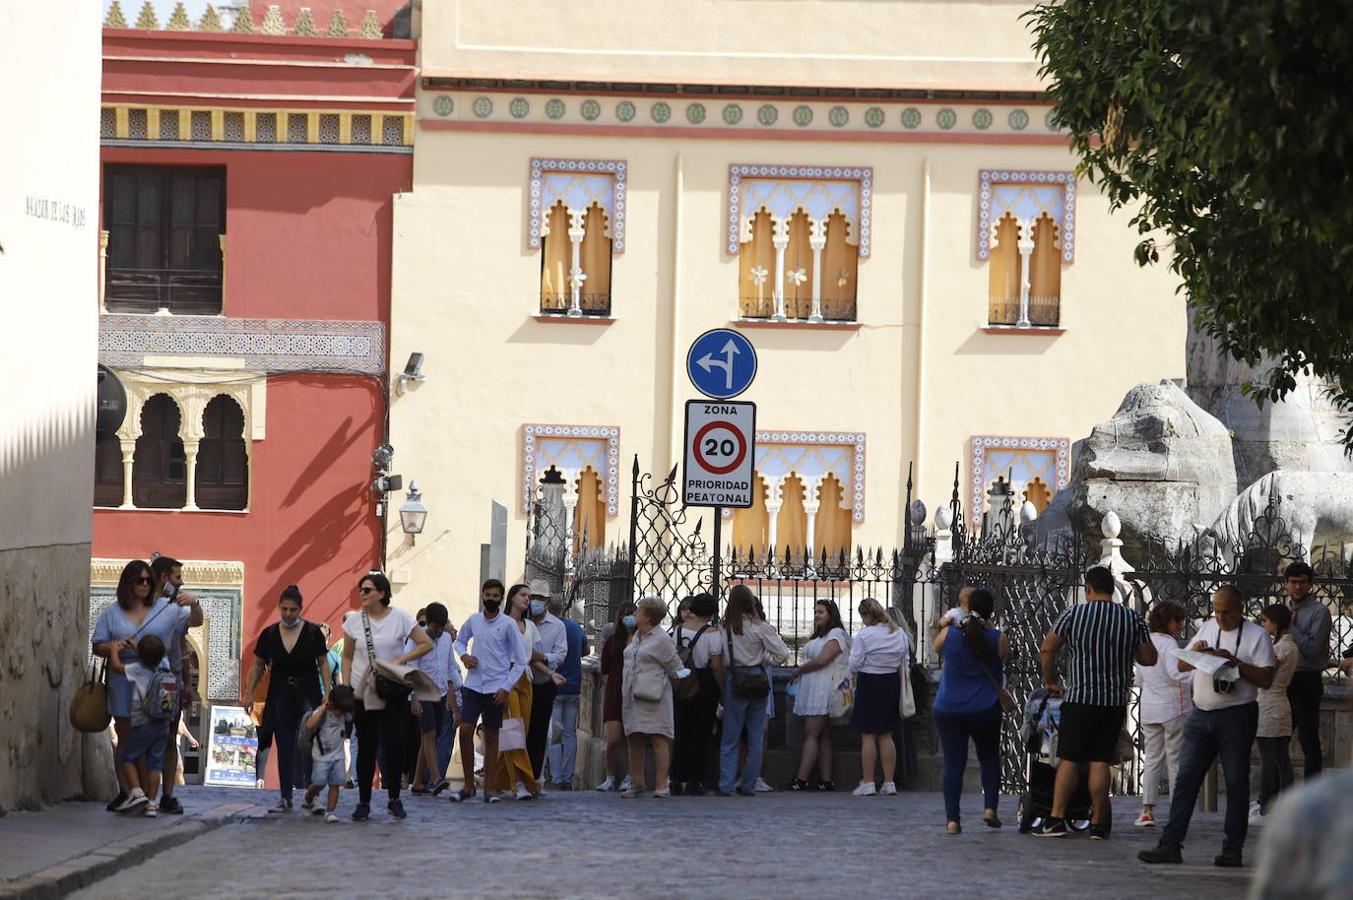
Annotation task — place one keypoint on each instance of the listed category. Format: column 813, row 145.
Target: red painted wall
column 308, row 235
column 310, row 520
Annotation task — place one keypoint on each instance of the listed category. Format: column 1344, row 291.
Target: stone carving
column 1316, row 507
column 1161, row 463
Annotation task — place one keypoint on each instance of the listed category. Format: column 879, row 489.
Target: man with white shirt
column 499, row 658
column 1223, row 724
column 544, row 686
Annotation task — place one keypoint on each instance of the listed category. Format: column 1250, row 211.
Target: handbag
column 89, row 707
column 687, row 689
column 1008, row 704
column 907, row 703
column 387, row 689
column 842, row 701
column 512, row 735
column 746, row 682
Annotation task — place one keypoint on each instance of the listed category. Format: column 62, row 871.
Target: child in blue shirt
column 148, row 736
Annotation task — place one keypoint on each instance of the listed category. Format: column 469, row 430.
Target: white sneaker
column 626, row 785
column 1256, row 819
column 866, row 789
column 607, row 785
column 151, row 812
column 889, row 789
column 762, row 788
column 135, row 800
column 523, row 793
column 331, row 818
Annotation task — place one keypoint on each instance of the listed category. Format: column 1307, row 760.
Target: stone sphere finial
column 1111, row 526
column 1027, row 512
column 944, row 517
column 918, row 512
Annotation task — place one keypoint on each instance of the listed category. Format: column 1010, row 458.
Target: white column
column 780, row 240
column 774, row 500
column 103, row 269
column 190, row 458
column 1025, row 245
column 128, row 462
column 576, row 276
column 817, row 241
column 570, row 511
column 812, row 502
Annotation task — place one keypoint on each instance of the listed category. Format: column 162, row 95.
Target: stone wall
column 44, row 630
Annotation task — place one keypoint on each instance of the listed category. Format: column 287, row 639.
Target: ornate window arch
column 578, row 223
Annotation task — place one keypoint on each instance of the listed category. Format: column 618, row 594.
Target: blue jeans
column 564, row 754
column 286, row 708
column 1227, row 734
column 985, row 730
column 740, row 713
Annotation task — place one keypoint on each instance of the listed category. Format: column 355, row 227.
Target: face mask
column 630, row 622
column 286, row 624
column 492, row 606
column 537, row 608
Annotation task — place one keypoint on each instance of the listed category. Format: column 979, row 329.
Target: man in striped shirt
column 1103, row 638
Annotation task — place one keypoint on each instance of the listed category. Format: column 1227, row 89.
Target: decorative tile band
column 274, row 345
column 533, row 435
column 1061, row 205
column 546, row 191
column 981, row 444
column 721, row 113
column 863, row 175
column 279, row 129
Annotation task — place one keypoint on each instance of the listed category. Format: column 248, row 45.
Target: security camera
column 413, row 371
column 381, row 458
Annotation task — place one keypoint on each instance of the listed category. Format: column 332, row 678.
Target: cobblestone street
column 587, row 844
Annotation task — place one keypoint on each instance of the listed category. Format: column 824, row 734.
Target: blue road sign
column 721, row 363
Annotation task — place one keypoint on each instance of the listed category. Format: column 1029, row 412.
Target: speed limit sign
column 720, row 451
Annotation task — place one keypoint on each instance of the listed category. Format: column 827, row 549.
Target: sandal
column 990, row 820
column 953, row 828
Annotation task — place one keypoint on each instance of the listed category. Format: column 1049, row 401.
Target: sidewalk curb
column 64, row 878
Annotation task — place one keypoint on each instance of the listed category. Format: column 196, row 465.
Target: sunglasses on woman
column 144, row 579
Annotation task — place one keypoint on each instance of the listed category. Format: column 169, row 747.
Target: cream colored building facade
column 872, row 191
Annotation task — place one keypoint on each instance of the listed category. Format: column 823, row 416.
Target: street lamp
column 413, row 514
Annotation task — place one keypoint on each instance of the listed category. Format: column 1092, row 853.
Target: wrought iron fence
column 798, row 308
column 667, row 556
column 554, row 303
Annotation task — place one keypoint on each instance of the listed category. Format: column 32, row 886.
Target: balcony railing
column 561, row 304
column 796, row 309
column 189, row 292
column 1044, row 312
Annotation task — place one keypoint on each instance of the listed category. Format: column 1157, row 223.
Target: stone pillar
column 780, row 240
column 774, row 501
column 570, row 512
column 817, row 240
column 812, row 502
column 1025, row 245
column 103, row 269
column 128, row 463
column 576, row 277
column 190, row 457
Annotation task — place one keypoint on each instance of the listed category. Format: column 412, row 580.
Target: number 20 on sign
column 720, row 453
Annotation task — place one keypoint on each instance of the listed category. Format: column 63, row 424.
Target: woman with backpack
column 297, row 659
column 750, row 644
column 136, row 614
column 700, row 647
column 968, row 705
column 817, row 681
column 651, row 662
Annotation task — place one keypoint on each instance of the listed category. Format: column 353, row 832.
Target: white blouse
column 878, row 650
column 1166, row 691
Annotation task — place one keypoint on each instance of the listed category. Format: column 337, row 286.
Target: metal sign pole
column 716, row 587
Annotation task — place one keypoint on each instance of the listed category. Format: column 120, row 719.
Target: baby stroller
column 1038, row 735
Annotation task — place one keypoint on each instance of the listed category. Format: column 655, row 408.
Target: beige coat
column 657, row 654
column 1275, row 713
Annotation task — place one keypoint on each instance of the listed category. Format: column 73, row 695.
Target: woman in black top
column 295, row 653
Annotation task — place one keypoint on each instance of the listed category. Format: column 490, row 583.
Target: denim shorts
column 146, row 740
column 329, row 772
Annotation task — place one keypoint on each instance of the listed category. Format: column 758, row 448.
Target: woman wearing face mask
column 514, row 766
column 381, row 631
column 295, row 652
column 613, row 668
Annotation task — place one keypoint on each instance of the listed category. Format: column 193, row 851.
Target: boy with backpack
column 155, row 702
column 324, row 728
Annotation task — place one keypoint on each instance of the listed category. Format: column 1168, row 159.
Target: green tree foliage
column 1225, row 125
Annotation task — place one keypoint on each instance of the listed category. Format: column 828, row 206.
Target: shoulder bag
column 1008, row 704
column 512, row 735
column 746, row 682
column 687, row 689
column 907, row 703
column 387, row 689
column 647, row 684
column 89, row 707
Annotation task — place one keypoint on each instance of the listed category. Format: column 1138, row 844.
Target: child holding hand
column 326, row 725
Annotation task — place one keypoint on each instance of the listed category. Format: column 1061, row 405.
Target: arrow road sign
column 721, row 363
column 720, row 454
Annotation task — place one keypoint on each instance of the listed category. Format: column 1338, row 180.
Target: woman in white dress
column 825, row 664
